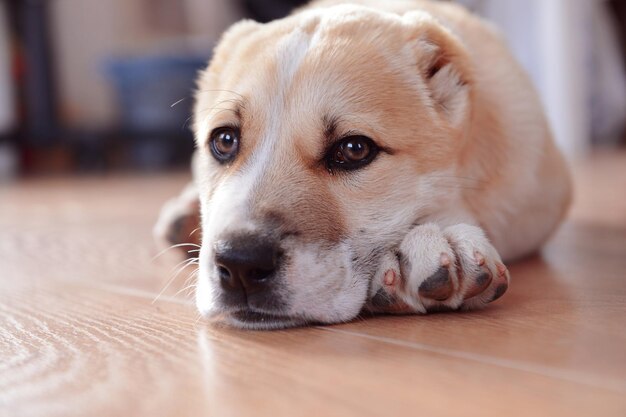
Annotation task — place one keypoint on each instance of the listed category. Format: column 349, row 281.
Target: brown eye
column 224, row 143
column 352, row 152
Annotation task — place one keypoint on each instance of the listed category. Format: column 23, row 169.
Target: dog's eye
column 352, row 152
column 224, row 143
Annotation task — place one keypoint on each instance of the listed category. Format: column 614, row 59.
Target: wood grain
column 81, row 335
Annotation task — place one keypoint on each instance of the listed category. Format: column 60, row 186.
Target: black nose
column 246, row 263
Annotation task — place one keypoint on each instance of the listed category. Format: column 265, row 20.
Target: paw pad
column 480, row 284
column 438, row 286
column 500, row 290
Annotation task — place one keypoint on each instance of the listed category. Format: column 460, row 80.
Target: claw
column 480, row 259
column 445, row 260
column 390, row 277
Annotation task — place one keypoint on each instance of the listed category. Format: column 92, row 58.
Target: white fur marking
column 290, row 54
column 229, row 202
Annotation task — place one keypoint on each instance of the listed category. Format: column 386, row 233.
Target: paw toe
column 438, row 286
column 500, row 290
column 502, row 282
column 175, row 231
column 480, row 284
column 180, row 231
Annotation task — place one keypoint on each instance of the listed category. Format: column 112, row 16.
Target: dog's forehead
column 334, row 57
column 315, row 66
column 318, row 72
column 295, row 78
column 325, row 41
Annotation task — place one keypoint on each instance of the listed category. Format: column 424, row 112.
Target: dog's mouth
column 261, row 320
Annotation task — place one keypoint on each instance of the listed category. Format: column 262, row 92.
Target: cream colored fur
column 473, row 172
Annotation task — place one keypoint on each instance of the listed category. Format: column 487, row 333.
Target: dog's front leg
column 440, row 269
column 179, row 221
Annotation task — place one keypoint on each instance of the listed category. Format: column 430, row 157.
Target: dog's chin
column 255, row 320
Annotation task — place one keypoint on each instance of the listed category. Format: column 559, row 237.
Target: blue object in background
column 147, row 89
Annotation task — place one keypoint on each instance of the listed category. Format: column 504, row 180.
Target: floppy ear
column 209, row 80
column 443, row 64
column 230, row 40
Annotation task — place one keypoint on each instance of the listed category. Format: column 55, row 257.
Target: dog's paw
column 447, row 269
column 179, row 220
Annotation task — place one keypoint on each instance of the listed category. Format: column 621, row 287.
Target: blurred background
column 105, row 85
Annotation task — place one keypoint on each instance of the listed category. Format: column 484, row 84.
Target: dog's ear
column 443, row 64
column 209, row 80
column 230, row 40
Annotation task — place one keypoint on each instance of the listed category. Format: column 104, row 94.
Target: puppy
column 364, row 156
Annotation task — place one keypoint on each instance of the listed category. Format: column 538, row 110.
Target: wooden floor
column 80, row 334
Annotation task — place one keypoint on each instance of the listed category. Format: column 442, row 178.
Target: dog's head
column 320, row 139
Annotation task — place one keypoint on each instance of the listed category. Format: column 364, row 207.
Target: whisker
column 191, row 276
column 185, row 123
column 216, row 108
column 179, row 245
column 179, row 101
column 184, row 289
column 236, row 101
column 221, row 109
column 220, row 91
column 185, row 263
